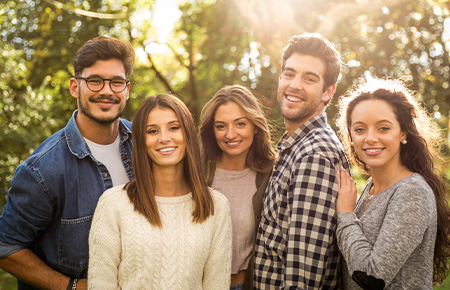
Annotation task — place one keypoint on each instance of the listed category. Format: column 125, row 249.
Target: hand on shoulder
column 347, row 192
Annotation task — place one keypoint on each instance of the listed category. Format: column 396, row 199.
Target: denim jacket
column 53, row 198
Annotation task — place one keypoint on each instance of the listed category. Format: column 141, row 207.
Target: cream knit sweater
column 126, row 252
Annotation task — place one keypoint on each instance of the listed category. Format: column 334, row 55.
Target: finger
column 341, row 179
column 345, row 178
column 338, row 177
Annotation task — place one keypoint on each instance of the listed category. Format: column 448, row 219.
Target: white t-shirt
column 109, row 155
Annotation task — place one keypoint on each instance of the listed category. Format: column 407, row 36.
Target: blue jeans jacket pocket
column 73, row 242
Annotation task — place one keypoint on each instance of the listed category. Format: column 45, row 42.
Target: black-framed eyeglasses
column 96, row 84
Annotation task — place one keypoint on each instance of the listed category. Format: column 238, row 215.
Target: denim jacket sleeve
column 52, row 200
column 28, row 210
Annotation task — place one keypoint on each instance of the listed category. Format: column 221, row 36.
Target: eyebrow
column 99, row 76
column 171, row 122
column 308, row 73
column 380, row 121
column 313, row 74
column 237, row 119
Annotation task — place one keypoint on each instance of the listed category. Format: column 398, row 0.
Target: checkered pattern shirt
column 296, row 244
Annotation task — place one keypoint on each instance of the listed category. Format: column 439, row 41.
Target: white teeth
column 373, row 150
column 293, row 99
column 232, row 143
column 166, row 149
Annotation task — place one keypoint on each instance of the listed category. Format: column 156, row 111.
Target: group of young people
column 162, row 204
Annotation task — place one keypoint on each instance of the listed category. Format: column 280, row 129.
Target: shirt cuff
column 7, row 249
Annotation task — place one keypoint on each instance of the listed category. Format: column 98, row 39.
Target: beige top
column 127, row 252
column 239, row 187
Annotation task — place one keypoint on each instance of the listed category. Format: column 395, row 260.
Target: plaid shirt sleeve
column 311, row 255
column 295, row 244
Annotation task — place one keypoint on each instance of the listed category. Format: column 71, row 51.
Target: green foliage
column 38, row 44
column 408, row 42
column 210, row 46
column 7, row 282
column 445, row 285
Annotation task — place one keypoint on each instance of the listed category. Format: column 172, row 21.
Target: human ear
column 73, row 86
column 328, row 93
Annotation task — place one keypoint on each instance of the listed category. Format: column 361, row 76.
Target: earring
column 404, row 141
column 351, row 143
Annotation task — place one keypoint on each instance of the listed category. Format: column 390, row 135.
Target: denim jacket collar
column 75, row 140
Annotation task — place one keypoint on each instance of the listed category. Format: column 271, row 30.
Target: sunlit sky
column 165, row 14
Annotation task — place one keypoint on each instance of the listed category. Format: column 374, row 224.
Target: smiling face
column 105, row 106
column 301, row 93
column 165, row 141
column 234, row 132
column 376, row 135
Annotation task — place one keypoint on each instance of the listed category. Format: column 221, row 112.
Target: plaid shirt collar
column 315, row 122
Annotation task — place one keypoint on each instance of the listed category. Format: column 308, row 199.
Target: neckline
column 174, row 199
column 370, row 196
column 228, row 171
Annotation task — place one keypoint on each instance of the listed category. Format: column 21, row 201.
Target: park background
column 195, row 47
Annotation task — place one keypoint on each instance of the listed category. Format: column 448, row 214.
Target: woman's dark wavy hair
column 261, row 155
column 141, row 189
column 418, row 155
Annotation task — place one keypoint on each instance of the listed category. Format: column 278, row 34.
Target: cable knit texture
column 127, row 252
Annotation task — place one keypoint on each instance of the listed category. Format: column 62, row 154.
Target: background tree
column 213, row 43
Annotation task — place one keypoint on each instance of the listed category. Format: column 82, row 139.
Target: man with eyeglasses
column 45, row 224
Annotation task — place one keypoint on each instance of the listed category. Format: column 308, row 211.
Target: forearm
column 26, row 266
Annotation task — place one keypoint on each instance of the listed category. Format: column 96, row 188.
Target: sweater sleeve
column 217, row 270
column 407, row 218
column 104, row 245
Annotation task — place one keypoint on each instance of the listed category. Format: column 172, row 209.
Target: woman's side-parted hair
column 418, row 155
column 141, row 190
column 261, row 155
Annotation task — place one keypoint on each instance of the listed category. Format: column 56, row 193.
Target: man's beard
column 303, row 113
column 85, row 111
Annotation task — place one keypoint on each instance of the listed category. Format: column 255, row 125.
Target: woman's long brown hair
column 419, row 155
column 261, row 155
column 141, row 189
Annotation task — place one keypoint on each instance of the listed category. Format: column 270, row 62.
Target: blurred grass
column 445, row 285
column 7, row 282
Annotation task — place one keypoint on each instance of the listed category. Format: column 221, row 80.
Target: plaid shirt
column 296, row 244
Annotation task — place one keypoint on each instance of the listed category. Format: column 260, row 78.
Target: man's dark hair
column 104, row 48
column 314, row 44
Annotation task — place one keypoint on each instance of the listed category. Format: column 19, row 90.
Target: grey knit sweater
column 390, row 237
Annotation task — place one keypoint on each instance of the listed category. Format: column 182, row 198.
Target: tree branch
column 274, row 22
column 344, row 11
column 87, row 13
column 158, row 73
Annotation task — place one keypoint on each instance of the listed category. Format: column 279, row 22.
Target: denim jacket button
column 105, row 174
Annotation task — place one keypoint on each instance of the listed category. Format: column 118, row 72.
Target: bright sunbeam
column 166, row 13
